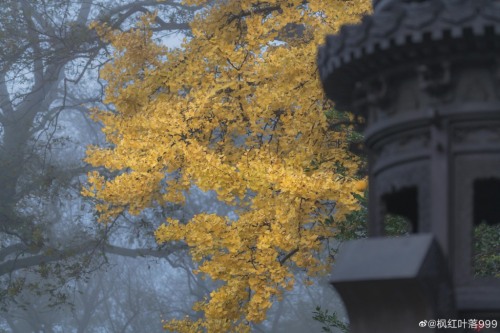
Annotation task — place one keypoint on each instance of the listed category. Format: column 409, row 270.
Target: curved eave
column 401, row 36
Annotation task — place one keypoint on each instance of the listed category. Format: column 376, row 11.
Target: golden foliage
column 239, row 110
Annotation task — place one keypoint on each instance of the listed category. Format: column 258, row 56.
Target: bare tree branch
column 52, row 255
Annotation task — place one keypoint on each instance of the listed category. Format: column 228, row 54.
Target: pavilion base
column 394, row 284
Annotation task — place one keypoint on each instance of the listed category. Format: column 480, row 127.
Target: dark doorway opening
column 486, row 231
column 401, row 212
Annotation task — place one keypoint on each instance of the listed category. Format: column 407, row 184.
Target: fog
column 60, row 270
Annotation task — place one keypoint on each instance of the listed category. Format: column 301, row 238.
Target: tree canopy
column 238, row 110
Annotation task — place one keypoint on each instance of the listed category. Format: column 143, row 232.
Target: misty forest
column 62, row 267
column 174, row 166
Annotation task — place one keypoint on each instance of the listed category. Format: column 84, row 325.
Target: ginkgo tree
column 238, row 110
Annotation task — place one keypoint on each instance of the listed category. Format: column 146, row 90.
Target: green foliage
column 354, row 137
column 396, row 225
column 354, row 225
column 486, row 260
column 335, row 116
column 329, row 320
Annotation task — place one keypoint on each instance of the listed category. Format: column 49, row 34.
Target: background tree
column 49, row 60
column 239, row 111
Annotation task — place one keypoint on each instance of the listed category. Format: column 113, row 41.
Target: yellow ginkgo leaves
column 238, row 110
